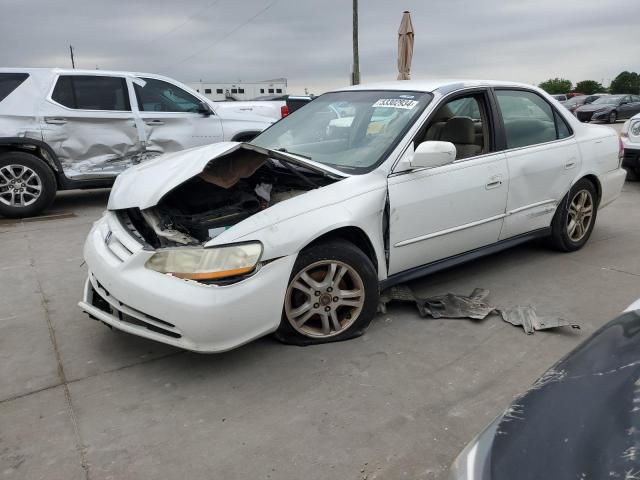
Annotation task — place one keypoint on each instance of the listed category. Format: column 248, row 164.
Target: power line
column 178, row 27
column 234, row 30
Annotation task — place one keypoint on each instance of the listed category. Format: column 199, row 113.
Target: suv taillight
column 284, row 111
column 620, row 149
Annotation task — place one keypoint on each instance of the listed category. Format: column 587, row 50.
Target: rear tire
column 27, row 185
column 575, row 217
column 332, row 295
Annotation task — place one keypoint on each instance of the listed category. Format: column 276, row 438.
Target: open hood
column 142, row 186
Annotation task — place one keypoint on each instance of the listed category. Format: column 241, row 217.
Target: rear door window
column 529, row 119
column 160, row 96
column 9, row 82
column 92, row 92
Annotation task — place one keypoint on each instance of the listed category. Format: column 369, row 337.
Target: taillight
column 620, row 149
column 284, row 111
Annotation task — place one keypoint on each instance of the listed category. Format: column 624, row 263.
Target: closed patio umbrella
column 405, row 47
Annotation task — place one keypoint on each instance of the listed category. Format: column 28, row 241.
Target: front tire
column 332, row 295
column 613, row 117
column 27, row 185
column 575, row 217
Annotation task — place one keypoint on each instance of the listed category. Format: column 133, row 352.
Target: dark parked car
column 575, row 102
column 580, row 420
column 610, row 108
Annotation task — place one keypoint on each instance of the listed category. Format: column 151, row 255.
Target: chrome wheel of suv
column 20, row 186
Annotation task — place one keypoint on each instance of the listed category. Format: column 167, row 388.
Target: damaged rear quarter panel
column 20, row 110
column 287, row 227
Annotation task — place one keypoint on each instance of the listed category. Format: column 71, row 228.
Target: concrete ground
column 79, row 401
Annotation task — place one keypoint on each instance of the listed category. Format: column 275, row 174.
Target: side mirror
column 204, row 109
column 433, row 153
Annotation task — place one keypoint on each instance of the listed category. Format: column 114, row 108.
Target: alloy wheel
column 580, row 215
column 324, row 299
column 20, row 186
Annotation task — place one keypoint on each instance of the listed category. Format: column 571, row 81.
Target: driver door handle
column 495, row 181
column 154, row 122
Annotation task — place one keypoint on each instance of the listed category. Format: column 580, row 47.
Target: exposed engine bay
column 229, row 190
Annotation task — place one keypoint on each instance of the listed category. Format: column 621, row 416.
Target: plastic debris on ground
column 474, row 306
column 530, row 321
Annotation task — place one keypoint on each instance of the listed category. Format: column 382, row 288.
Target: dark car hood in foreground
column 581, row 419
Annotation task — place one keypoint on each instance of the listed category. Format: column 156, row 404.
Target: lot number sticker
column 395, row 103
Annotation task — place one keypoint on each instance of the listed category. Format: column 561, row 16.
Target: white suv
column 65, row 129
column 630, row 136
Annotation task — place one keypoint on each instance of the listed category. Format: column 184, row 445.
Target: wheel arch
column 245, row 135
column 591, row 177
column 351, row 234
column 596, row 183
column 37, row 148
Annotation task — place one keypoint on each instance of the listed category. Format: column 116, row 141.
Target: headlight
column 207, row 263
column 635, row 129
column 625, row 129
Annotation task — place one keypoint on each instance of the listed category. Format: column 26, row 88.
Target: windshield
column 607, row 100
column 351, row 131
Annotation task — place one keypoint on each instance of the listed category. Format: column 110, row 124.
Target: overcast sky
column 309, row 42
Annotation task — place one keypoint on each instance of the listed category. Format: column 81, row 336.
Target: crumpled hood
column 143, row 185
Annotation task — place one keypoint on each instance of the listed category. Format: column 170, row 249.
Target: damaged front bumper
column 123, row 293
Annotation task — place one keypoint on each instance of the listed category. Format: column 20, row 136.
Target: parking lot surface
column 80, row 401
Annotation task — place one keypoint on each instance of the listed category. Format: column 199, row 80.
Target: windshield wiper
column 299, row 174
column 294, row 153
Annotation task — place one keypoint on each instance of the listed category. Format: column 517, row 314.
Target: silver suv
column 66, row 129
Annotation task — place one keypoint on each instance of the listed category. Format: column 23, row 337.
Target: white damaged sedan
column 297, row 232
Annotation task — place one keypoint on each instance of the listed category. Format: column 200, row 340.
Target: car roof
column 431, row 85
column 75, row 71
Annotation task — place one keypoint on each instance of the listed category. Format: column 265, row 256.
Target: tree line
column 625, row 82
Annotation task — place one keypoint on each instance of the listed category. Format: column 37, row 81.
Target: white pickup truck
column 274, row 106
column 65, row 129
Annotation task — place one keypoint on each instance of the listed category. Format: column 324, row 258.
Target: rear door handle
column 570, row 164
column 55, row 120
column 154, row 122
column 495, row 181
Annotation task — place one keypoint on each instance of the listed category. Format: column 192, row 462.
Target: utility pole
column 73, row 63
column 355, row 75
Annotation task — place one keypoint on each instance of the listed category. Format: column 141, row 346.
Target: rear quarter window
column 529, row 119
column 92, row 92
column 9, row 82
